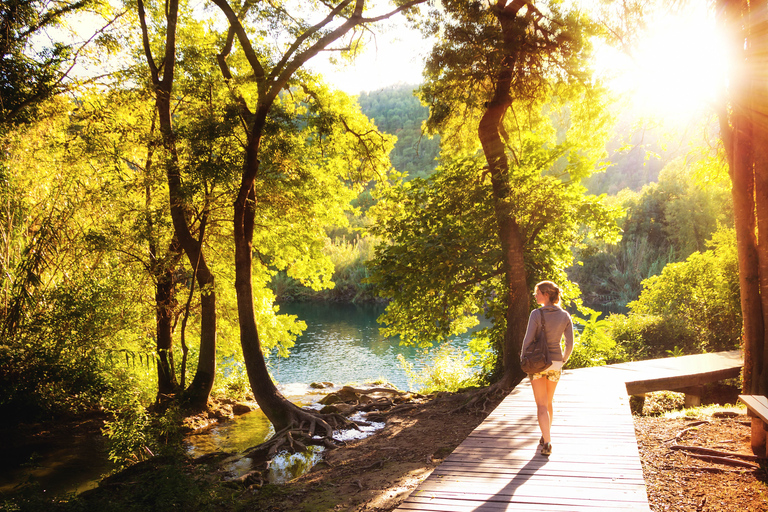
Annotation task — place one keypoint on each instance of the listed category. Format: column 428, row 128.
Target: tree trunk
column 164, row 303
column 510, row 237
column 200, row 388
column 747, row 166
column 757, row 62
column 280, row 411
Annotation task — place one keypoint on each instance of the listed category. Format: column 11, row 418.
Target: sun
column 676, row 69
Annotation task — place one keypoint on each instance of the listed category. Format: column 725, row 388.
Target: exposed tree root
column 706, row 469
column 718, row 453
column 306, row 428
column 482, row 398
column 725, row 460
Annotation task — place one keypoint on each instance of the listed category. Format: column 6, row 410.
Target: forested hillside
column 395, row 110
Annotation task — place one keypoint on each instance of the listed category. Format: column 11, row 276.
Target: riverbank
column 375, row 474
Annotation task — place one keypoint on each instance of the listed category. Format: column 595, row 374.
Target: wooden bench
column 757, row 406
column 686, row 374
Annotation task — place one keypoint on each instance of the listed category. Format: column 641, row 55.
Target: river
column 341, row 345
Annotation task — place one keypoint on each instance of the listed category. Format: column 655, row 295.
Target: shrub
column 593, row 346
column 699, row 296
column 649, row 336
column 448, row 371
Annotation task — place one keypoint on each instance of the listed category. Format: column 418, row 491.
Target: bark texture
column 744, row 131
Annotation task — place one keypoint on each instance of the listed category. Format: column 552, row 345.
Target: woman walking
column 557, row 323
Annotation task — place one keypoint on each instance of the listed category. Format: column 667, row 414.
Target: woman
column 557, row 322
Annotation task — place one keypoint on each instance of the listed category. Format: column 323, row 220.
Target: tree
column 69, row 300
column 272, row 178
column 745, row 137
column 30, row 72
column 189, row 234
column 494, row 70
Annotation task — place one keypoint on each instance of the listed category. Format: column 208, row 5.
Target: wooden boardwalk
column 595, row 464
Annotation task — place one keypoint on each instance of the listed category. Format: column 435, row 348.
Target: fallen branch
column 690, row 427
column 721, row 453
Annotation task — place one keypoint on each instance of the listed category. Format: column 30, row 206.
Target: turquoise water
column 342, row 344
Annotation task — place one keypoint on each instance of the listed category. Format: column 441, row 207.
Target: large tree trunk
column 758, row 63
column 745, row 138
column 279, row 410
column 200, row 388
column 510, row 237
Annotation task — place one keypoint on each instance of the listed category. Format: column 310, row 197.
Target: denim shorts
column 553, row 375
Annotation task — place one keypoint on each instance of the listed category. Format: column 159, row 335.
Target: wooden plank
column 757, row 404
column 439, row 504
column 673, row 373
column 595, row 464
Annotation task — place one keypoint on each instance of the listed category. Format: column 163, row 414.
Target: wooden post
column 758, row 436
column 692, row 396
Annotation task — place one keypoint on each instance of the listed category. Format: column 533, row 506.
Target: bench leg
column 692, row 396
column 758, row 437
column 692, row 400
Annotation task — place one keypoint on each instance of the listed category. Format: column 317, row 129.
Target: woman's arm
column 531, row 330
column 568, row 339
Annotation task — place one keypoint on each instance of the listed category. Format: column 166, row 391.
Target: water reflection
column 233, row 436
column 342, row 345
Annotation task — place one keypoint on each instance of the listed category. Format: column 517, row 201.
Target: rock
column 340, row 408
column 240, row 408
column 347, row 394
column 725, row 414
column 331, row 399
column 321, row 385
column 221, row 413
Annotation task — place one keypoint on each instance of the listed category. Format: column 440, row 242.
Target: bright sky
column 674, row 72
column 677, row 69
column 395, row 56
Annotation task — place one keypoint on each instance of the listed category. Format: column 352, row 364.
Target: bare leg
column 544, row 393
column 543, row 407
column 551, row 386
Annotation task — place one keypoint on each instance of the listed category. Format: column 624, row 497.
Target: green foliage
column 442, row 262
column 57, row 360
column 447, row 370
column 349, row 259
column 702, row 292
column 135, row 434
column 692, row 307
column 648, row 336
column 660, row 402
column 396, row 111
column 593, row 346
column 30, row 71
column 665, row 223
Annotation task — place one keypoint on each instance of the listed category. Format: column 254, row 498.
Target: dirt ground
column 377, row 473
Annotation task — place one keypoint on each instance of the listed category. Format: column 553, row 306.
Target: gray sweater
column 558, row 324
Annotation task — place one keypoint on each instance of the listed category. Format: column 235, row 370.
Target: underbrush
column 448, row 370
column 349, row 257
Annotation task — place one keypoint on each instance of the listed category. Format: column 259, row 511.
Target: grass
column 704, row 411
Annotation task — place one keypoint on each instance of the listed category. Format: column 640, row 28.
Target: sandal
column 546, row 449
column 541, row 441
